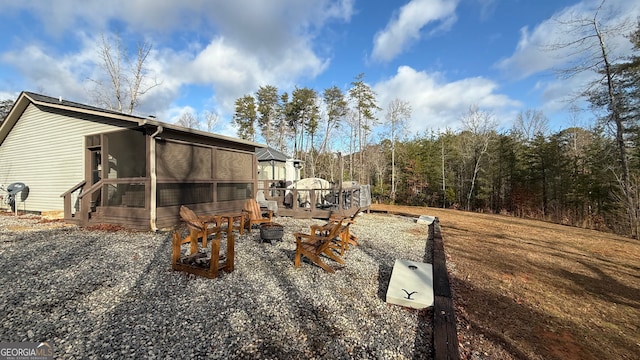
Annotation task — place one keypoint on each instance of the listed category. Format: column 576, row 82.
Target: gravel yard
column 98, row 294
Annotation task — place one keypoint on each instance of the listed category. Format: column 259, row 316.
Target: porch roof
column 25, row 98
column 269, row 153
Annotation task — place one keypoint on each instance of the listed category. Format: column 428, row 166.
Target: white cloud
column 233, row 47
column 229, row 71
column 437, row 104
column 56, row 76
column 406, row 26
column 249, row 21
column 560, row 96
column 487, row 8
column 539, row 51
column 6, row 95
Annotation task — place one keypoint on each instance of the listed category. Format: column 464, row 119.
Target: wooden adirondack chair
column 256, row 215
column 318, row 243
column 345, row 237
column 198, row 229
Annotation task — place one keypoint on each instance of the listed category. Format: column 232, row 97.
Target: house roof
column 25, row 98
column 60, row 101
column 268, row 153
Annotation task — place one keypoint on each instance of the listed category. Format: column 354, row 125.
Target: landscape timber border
column 445, row 334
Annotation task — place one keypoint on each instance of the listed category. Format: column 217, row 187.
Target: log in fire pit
column 271, row 231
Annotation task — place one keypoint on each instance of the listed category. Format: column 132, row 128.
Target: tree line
column 580, row 176
column 308, row 124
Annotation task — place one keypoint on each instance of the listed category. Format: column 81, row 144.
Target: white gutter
column 154, row 180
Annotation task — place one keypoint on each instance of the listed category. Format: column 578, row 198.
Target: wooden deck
column 316, row 203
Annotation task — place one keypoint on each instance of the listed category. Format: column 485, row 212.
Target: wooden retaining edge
column 445, row 334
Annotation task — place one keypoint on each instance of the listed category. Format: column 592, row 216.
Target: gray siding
column 46, row 152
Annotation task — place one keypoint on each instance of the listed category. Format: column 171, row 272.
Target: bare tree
column 478, row 130
column 211, row 120
column 398, row 113
column 365, row 106
column 444, row 138
column 189, row 120
column 352, row 120
column 5, row 107
column 281, row 123
column 530, row 123
column 206, row 120
column 127, row 79
column 590, row 46
column 379, row 164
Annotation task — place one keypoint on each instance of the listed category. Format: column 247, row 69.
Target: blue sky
column 441, row 56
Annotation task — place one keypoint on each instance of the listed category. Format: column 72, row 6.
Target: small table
column 200, row 228
column 230, row 218
column 185, row 263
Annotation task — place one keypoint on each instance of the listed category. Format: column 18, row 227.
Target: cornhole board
column 426, row 219
column 411, row 284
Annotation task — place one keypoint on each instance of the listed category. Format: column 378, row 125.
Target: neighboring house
column 275, row 165
column 279, row 184
column 102, row 166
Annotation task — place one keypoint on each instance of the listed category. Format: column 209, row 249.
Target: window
column 183, row 161
column 184, row 193
column 127, row 154
column 128, row 195
column 232, row 165
column 234, row 191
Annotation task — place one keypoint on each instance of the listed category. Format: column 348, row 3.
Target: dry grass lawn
column 527, row 289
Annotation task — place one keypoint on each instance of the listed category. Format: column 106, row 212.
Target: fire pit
column 271, row 231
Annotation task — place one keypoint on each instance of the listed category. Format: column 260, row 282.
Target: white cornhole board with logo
column 426, row 219
column 411, row 284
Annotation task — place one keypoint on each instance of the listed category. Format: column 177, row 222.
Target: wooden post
column 340, row 201
column 175, row 252
column 215, row 256
column 230, row 249
column 193, row 241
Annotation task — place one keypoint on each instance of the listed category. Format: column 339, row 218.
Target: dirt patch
column 105, row 227
column 53, row 215
column 19, row 228
column 419, row 231
column 527, row 289
column 563, row 345
column 29, row 222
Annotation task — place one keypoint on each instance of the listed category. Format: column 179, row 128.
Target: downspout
column 154, row 179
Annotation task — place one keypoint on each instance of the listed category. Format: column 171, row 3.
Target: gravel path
column 113, row 295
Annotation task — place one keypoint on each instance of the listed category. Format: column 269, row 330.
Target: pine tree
column 245, row 117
